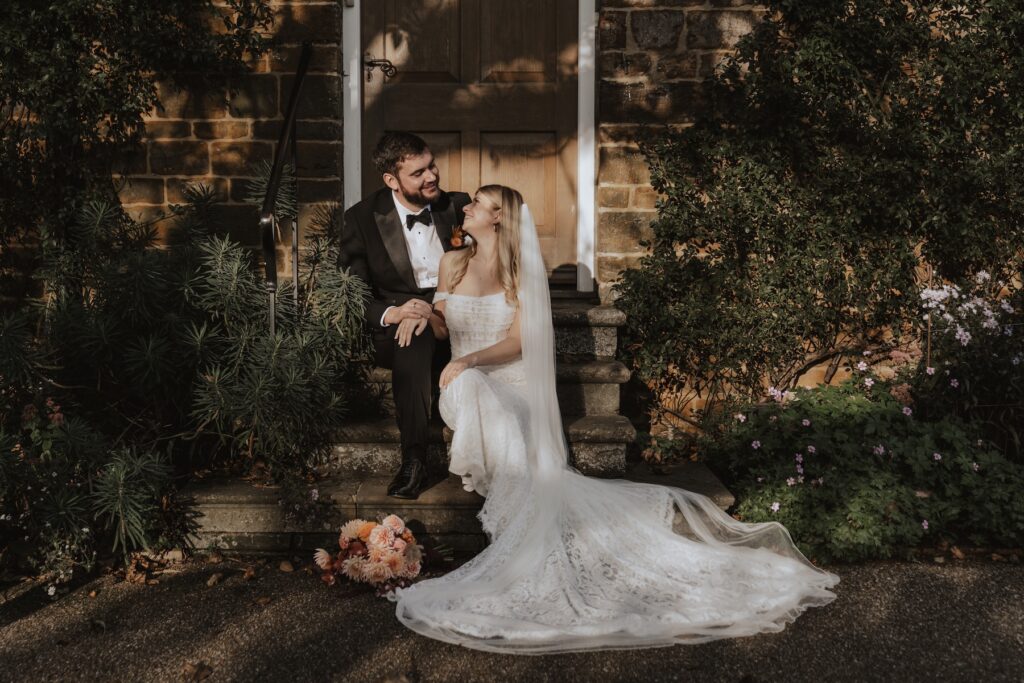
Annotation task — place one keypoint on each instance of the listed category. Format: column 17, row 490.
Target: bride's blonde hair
column 510, row 202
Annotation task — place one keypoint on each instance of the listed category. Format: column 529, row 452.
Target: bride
column 574, row 563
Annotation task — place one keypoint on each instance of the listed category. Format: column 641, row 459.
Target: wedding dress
column 579, row 563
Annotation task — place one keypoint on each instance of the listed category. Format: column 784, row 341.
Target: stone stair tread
column 571, row 313
column 602, row 371
column 579, row 429
column 242, row 517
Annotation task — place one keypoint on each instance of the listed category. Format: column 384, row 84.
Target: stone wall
column 216, row 136
column 652, row 56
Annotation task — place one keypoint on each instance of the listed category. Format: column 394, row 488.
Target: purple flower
column 879, row 450
column 929, row 371
column 775, row 506
column 798, row 457
column 812, row 450
column 755, row 444
column 954, row 383
column 805, row 422
column 799, row 469
column 924, row 524
column 937, row 456
column 907, row 411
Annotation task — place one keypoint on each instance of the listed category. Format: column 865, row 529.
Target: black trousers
column 413, row 372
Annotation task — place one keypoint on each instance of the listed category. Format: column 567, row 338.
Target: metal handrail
column 286, row 147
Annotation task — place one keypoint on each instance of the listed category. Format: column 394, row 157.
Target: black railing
column 286, row 148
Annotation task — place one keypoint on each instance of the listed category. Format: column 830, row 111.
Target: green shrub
column 853, row 473
column 842, row 144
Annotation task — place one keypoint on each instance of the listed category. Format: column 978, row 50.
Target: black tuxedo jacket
column 373, row 247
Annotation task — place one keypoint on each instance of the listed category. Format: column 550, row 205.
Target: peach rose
column 366, row 529
column 382, row 536
column 395, row 523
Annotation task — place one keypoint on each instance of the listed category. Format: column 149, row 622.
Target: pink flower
column 930, row 370
column 399, row 545
column 924, row 524
column 740, row 417
column 937, row 456
column 382, row 536
column 790, row 481
column 974, row 466
column 878, row 450
column 907, row 411
column 798, row 457
column 775, row 506
column 755, row 444
column 805, row 422
column 322, row 558
column 412, row 570
column 395, row 523
column 954, row 383
column 812, row 450
column 868, row 382
column 800, row 469
column 862, row 366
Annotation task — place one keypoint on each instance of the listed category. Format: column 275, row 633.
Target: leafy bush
column 853, row 473
column 840, row 146
column 162, row 363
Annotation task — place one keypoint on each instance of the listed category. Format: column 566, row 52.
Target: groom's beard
column 419, row 197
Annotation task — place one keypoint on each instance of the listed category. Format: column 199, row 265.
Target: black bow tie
column 414, row 218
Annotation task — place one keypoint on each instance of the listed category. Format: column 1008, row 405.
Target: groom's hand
column 413, row 308
column 409, row 327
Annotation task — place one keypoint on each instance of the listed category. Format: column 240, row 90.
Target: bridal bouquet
column 383, row 554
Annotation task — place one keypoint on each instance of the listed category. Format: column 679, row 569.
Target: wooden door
column 491, row 86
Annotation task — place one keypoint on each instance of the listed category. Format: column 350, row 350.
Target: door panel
column 491, row 86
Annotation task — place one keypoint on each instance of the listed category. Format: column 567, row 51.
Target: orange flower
column 407, row 536
column 365, row 529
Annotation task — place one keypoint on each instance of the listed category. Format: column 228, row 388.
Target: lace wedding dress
column 578, row 563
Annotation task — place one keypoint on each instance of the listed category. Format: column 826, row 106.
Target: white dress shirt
column 425, row 249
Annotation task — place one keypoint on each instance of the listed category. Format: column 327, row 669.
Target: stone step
column 584, row 329
column 239, row 517
column 597, row 446
column 588, row 387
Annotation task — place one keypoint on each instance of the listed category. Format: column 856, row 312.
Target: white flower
column 790, row 481
column 868, row 382
column 322, row 558
column 982, row 276
column 51, row 590
column 862, row 366
column 740, row 417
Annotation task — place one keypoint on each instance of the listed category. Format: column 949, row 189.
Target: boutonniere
column 459, row 237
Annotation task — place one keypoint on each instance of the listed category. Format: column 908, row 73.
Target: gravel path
column 892, row 621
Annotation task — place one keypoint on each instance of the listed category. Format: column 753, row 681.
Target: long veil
column 606, row 564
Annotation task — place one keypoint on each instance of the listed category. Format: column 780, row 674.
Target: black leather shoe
column 407, row 482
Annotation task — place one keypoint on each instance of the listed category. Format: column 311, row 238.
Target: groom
column 393, row 240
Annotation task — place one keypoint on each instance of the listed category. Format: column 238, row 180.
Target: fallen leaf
column 214, row 579
column 957, row 553
column 998, row 558
column 286, row 566
column 152, row 582
column 249, row 574
column 92, row 594
column 263, row 600
column 196, row 672
column 215, row 558
column 939, row 559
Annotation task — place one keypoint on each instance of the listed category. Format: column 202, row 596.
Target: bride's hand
column 454, row 369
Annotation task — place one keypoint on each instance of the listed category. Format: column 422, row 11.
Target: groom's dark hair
column 392, row 149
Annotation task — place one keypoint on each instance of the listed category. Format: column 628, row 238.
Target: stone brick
column 179, row 158
column 642, row 103
column 613, row 197
column 142, row 213
column 623, row 166
column 318, row 23
column 254, row 96
column 314, row 190
column 325, row 58
column 732, row 3
column 609, row 266
column 624, row 64
column 238, row 158
column 319, row 159
column 657, row 29
column 673, row 67
column 141, row 190
column 197, row 102
column 622, row 231
column 611, row 31
column 645, row 197
column 305, row 130
column 710, row 60
column 712, row 30
column 131, row 160
column 320, row 97
column 167, row 129
column 220, row 130
column 176, row 188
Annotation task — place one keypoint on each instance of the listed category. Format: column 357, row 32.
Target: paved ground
column 892, row 621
